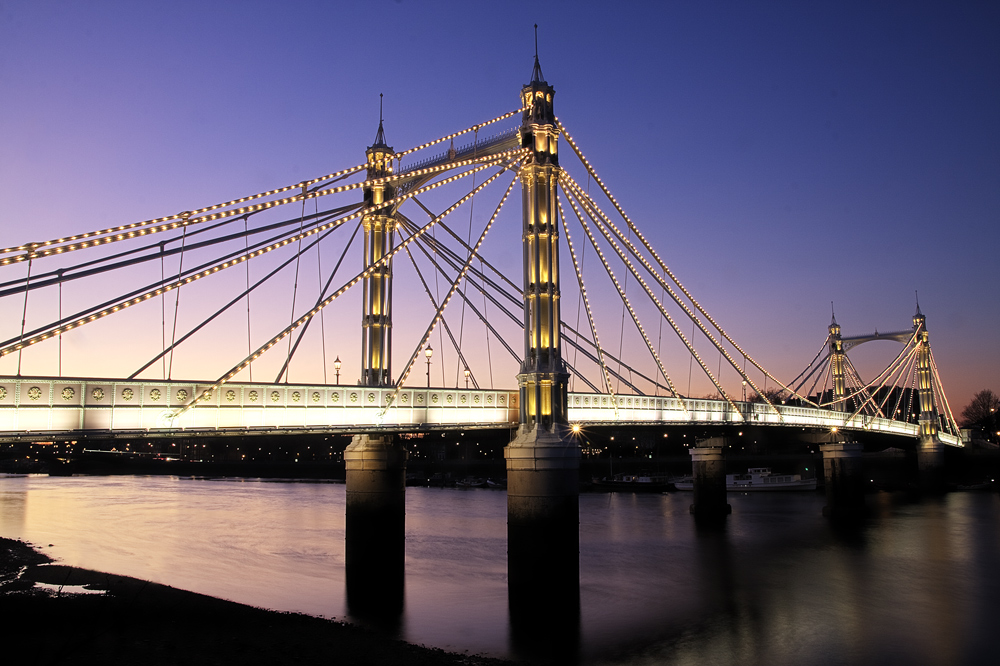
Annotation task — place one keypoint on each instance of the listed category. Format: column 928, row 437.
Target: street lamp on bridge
column 428, row 353
column 336, row 367
column 467, row 373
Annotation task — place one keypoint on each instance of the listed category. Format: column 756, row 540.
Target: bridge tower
column 837, row 353
column 930, row 449
column 543, row 461
column 375, row 464
column 380, row 227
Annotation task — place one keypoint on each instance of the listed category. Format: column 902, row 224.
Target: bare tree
column 983, row 413
column 774, row 396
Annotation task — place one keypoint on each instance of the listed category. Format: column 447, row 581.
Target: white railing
column 47, row 404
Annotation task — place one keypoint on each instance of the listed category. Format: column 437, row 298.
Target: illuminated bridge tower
column 543, row 461
column 380, row 227
column 376, row 465
column 837, row 366
column 930, row 449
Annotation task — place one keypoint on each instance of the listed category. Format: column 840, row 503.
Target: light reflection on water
column 918, row 584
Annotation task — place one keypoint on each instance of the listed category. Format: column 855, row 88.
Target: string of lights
column 586, row 303
column 458, row 280
column 666, row 286
column 21, row 344
column 659, row 261
column 625, row 300
column 207, row 393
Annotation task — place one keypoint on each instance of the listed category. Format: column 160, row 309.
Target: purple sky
column 779, row 155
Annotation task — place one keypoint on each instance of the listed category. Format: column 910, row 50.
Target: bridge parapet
column 60, row 405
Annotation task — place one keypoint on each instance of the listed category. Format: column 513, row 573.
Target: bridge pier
column 930, row 465
column 843, row 479
column 709, row 473
column 543, row 542
column 375, row 528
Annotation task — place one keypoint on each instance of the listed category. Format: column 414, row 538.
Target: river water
column 918, row 583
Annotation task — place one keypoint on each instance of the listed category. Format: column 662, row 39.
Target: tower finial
column 380, row 135
column 536, row 72
column 917, row 297
column 833, row 315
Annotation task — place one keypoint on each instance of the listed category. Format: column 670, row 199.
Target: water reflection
column 543, row 588
column 917, row 583
column 375, row 559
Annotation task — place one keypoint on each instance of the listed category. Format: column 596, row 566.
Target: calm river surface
column 919, row 583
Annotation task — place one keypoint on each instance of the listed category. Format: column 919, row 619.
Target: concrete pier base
column 543, row 544
column 844, row 480
column 930, row 465
column 709, row 472
column 375, row 529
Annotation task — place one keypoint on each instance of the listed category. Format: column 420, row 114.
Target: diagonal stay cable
column 593, row 241
column 206, row 393
column 243, row 294
column 602, row 220
column 454, row 260
column 7, row 347
column 322, row 295
column 160, row 287
column 664, row 267
column 451, row 336
column 456, row 283
column 624, row 297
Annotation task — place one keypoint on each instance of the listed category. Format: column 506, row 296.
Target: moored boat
column 635, row 483
column 757, row 478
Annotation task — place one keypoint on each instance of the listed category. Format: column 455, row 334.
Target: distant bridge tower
column 837, row 366
column 930, row 448
column 929, row 423
column 380, row 227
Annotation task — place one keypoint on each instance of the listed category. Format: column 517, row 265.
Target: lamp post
column 467, row 373
column 744, row 390
column 428, row 353
column 336, row 367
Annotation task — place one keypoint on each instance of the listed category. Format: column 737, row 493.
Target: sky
column 780, row 156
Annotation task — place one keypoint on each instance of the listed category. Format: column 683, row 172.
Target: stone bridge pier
column 708, row 469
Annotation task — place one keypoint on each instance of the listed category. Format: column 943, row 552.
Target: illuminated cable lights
column 663, row 265
column 30, row 248
column 592, row 208
column 628, row 304
column 458, row 280
column 278, row 244
column 366, row 273
column 590, row 313
column 474, row 128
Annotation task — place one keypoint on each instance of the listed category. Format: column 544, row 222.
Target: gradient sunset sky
column 779, row 155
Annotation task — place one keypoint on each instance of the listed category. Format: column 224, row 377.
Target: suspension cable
column 601, row 219
column 325, row 289
column 235, row 300
column 455, row 285
column 590, row 315
column 7, row 347
column 24, row 317
column 206, row 393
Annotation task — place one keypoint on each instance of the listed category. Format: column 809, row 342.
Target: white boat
column 757, row 478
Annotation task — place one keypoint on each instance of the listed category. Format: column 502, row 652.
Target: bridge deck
column 37, row 407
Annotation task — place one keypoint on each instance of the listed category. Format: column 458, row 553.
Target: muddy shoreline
column 57, row 614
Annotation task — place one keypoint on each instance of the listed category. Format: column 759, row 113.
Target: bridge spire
column 380, row 227
column 837, row 354
column 536, row 71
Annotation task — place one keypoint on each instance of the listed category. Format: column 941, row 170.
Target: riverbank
column 54, row 613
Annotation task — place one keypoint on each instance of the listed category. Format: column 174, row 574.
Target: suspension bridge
column 424, row 277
